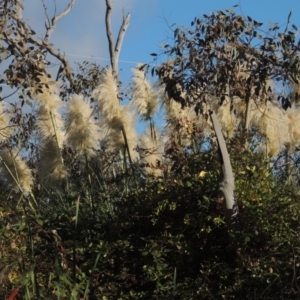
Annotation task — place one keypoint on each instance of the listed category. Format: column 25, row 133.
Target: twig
column 288, row 21
column 46, row 14
column 44, row 45
column 58, row 55
column 2, row 98
column 51, row 27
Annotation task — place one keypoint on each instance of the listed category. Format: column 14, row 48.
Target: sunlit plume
column 81, row 128
column 6, row 129
column 123, row 124
column 293, row 116
column 50, row 126
column 49, row 121
column 115, row 119
column 227, row 118
column 152, row 150
column 144, row 97
column 295, row 94
column 14, row 171
column 106, row 95
column 45, row 91
column 52, row 171
column 50, row 129
column 179, row 122
column 183, row 124
column 271, row 120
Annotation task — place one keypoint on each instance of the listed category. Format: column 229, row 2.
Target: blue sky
column 81, row 34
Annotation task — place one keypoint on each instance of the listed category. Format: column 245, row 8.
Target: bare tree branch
column 48, row 47
column 110, row 37
column 51, row 27
column 46, row 14
column 120, row 38
column 58, row 55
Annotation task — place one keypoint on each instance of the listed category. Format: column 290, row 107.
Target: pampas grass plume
column 144, row 97
column 293, row 116
column 49, row 104
column 50, row 126
column 227, row 118
column 51, row 168
column 114, row 117
column 82, row 130
column 115, row 139
column 106, row 95
column 272, row 121
column 14, row 171
column 153, row 149
column 5, row 129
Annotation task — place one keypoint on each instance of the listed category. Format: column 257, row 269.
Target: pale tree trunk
column 226, row 185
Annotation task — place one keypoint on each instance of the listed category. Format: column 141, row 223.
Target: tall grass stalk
column 174, row 280
column 90, row 280
column 129, row 155
column 56, row 137
column 75, row 241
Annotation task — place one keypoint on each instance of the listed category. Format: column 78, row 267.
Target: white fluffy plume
column 14, row 171
column 81, row 128
column 144, row 97
column 115, row 119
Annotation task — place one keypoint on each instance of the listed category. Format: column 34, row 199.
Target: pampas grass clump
column 49, row 121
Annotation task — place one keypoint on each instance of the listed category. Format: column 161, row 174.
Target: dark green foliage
column 164, row 240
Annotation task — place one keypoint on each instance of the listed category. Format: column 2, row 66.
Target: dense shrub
column 165, row 239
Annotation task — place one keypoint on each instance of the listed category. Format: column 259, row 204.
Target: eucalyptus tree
column 226, row 59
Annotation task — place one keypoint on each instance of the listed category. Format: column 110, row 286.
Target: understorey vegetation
column 204, row 204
